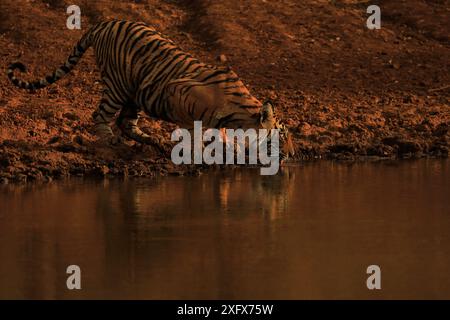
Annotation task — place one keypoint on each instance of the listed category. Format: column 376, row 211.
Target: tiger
column 144, row 71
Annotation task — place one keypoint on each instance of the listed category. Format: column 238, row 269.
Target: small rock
column 71, row 116
column 104, row 170
column 79, row 140
column 335, row 125
column 406, row 146
column 222, row 58
column 65, row 147
column 21, row 177
column 305, row 129
column 133, row 172
column 32, row 133
column 272, row 95
column 394, row 64
column 54, row 140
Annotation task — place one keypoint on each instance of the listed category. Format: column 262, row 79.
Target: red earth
column 345, row 92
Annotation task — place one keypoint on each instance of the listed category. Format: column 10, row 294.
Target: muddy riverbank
column 344, row 91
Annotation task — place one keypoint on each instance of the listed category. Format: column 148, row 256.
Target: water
column 306, row 234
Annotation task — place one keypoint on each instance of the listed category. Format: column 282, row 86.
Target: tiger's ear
column 267, row 112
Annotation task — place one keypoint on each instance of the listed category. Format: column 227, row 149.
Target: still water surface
column 307, row 233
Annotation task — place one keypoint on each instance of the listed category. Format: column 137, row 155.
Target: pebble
column 222, row 58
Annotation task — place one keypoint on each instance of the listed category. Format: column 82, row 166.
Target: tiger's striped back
column 215, row 96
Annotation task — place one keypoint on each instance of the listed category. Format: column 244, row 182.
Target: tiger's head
column 268, row 120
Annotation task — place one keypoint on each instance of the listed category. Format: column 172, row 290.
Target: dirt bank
column 344, row 91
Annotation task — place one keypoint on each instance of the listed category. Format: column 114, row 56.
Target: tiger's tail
column 83, row 44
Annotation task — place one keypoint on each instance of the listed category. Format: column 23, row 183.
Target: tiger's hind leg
column 103, row 117
column 127, row 123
